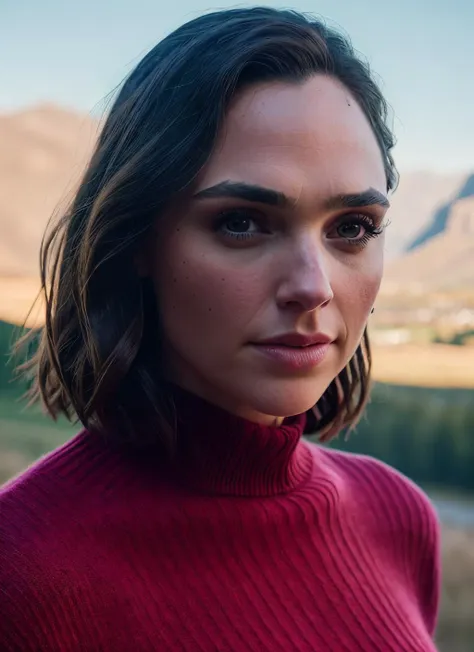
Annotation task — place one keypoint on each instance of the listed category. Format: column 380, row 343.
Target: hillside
column 416, row 200
column 438, row 221
column 445, row 262
column 43, row 153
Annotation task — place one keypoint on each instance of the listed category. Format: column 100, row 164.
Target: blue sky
column 75, row 53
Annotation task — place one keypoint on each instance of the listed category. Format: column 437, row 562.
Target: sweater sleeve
column 403, row 524
column 412, row 528
column 427, row 559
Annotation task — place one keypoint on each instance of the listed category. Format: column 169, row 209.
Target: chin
column 286, row 398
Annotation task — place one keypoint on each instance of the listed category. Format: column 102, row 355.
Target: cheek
column 356, row 293
column 204, row 296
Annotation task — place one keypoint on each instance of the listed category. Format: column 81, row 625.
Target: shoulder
column 44, row 485
column 386, row 490
column 391, row 509
column 34, row 503
column 41, row 509
column 44, row 513
column 60, row 493
column 395, row 518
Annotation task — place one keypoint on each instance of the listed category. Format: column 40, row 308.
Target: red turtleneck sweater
column 253, row 540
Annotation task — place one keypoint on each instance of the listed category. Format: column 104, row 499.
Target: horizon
column 423, row 81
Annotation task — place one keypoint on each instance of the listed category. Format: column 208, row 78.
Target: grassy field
column 26, row 434
column 431, row 365
column 456, row 624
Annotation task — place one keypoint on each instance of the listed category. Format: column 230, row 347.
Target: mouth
column 294, row 357
column 297, row 340
column 288, row 346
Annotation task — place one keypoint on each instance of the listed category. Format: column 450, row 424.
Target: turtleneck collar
column 220, row 453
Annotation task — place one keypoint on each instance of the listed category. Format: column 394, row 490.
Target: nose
column 305, row 284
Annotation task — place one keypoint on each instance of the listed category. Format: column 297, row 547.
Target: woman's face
column 281, row 235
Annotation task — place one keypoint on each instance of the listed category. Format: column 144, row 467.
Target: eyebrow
column 262, row 195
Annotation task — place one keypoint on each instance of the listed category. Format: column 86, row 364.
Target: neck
column 222, row 453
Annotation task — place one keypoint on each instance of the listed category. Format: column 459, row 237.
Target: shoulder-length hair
column 98, row 354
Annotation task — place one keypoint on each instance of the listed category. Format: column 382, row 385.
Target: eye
column 350, row 230
column 238, row 224
column 356, row 229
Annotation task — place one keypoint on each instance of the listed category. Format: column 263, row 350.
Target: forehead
column 296, row 136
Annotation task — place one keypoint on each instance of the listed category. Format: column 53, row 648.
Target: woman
column 207, row 306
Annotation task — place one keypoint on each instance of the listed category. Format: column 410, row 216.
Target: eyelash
column 371, row 230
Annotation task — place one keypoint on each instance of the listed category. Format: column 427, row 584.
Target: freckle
column 187, row 278
column 222, row 279
column 210, row 309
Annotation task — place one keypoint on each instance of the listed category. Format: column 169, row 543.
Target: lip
column 296, row 340
column 295, row 352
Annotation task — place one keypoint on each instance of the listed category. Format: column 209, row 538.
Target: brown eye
column 350, row 230
column 356, row 230
column 238, row 225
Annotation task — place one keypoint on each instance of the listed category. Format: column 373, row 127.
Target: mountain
column 437, row 224
column 418, row 195
column 43, row 152
column 443, row 262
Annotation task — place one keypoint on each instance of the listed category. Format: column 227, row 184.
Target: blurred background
column 60, row 64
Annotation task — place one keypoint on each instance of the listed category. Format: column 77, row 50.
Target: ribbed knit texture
column 253, row 539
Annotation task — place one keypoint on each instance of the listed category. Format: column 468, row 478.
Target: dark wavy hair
column 98, row 356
